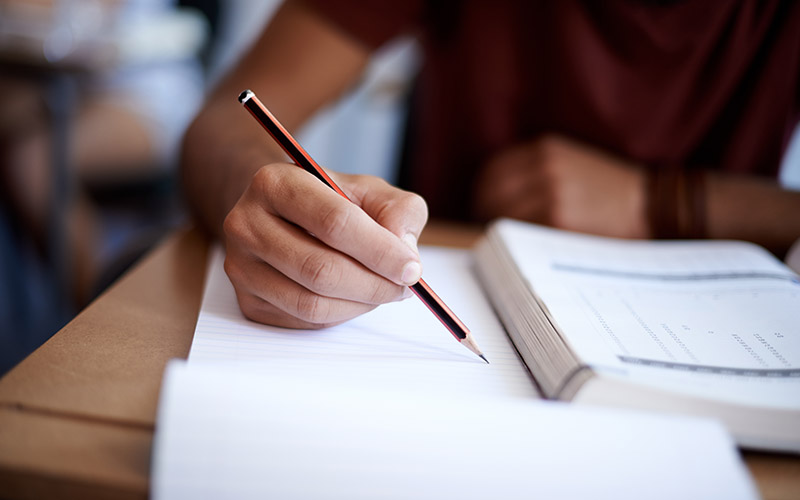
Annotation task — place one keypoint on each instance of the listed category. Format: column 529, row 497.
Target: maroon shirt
column 702, row 84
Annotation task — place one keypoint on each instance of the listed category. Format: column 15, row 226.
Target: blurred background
column 94, row 98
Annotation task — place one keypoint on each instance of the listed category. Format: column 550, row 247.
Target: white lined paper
column 401, row 339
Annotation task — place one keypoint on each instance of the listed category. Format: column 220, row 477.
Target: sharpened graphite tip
column 484, row 358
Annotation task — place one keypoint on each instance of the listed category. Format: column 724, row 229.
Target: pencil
column 421, row 289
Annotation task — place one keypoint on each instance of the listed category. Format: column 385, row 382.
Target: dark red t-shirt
column 702, row 84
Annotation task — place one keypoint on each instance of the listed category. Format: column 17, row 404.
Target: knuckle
column 319, row 273
column 229, row 266
column 249, row 306
column 272, row 182
column 311, row 308
column 335, row 221
column 354, row 185
column 414, row 203
column 267, row 178
column 233, row 225
column 240, row 273
column 380, row 255
column 403, row 212
column 381, row 294
column 234, row 270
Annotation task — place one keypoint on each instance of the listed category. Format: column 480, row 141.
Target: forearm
column 752, row 209
column 570, row 185
column 298, row 65
column 218, row 162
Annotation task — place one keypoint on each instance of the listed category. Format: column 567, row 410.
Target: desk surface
column 77, row 416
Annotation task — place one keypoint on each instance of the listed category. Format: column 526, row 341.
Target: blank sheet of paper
column 399, row 343
column 229, row 432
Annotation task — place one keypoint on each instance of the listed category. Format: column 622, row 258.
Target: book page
column 227, row 432
column 725, row 315
column 400, row 343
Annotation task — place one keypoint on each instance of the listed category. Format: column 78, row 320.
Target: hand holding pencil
column 328, row 255
column 355, row 260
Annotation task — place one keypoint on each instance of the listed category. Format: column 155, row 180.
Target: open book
column 706, row 328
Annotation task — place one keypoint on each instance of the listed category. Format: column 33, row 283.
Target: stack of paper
column 390, row 406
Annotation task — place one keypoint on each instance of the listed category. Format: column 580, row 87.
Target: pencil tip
column 484, row 358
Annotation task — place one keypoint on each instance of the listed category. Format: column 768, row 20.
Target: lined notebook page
column 399, row 343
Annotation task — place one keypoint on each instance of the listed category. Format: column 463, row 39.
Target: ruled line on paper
column 397, row 339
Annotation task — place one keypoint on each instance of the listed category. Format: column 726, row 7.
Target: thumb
column 402, row 212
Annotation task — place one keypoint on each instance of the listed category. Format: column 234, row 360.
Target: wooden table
column 77, row 416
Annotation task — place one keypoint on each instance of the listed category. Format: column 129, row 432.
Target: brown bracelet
column 676, row 203
column 662, row 208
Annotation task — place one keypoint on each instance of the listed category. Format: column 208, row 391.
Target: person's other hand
column 301, row 256
column 562, row 183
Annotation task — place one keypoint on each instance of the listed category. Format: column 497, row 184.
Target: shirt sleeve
column 371, row 22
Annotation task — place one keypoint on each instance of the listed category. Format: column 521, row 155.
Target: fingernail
column 407, row 294
column 411, row 241
column 411, row 273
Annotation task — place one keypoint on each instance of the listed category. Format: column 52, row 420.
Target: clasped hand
column 562, row 183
